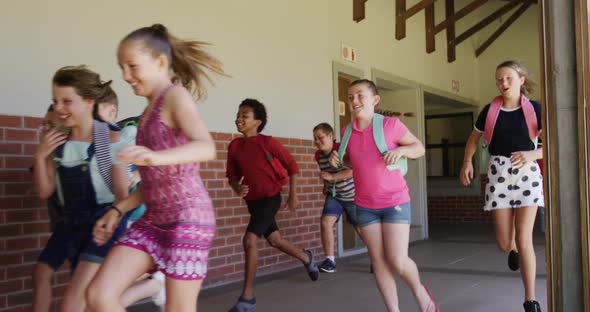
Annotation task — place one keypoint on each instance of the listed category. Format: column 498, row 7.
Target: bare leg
column 525, row 222
column 504, row 225
column 396, row 239
column 42, row 274
column 277, row 241
column 327, row 229
column 251, row 264
column 121, row 268
column 74, row 299
column 373, row 237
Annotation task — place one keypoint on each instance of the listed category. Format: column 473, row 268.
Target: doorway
column 349, row 243
column 401, row 95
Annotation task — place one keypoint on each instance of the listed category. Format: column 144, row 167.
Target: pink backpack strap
column 491, row 118
column 530, row 116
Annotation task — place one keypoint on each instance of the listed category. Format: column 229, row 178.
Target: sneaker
column 513, row 260
column 160, row 298
column 244, row 305
column 327, row 266
column 531, row 306
column 310, row 267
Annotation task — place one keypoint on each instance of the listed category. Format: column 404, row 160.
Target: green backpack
column 379, row 138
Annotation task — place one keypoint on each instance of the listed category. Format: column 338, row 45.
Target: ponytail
column 189, row 62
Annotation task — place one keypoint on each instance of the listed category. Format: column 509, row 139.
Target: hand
column 242, row 188
column 327, row 176
column 50, row 140
column 520, row 159
column 334, row 160
column 105, row 227
column 292, row 203
column 466, row 174
column 138, row 155
column 392, row 157
column 135, row 178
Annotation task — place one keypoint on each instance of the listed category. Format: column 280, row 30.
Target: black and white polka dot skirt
column 511, row 187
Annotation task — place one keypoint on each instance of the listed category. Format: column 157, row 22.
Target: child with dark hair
column 256, row 166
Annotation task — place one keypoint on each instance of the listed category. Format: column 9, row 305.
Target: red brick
column 29, row 149
column 33, row 202
column 35, row 228
column 11, row 148
column 11, row 286
column 2, row 302
column 11, row 230
column 20, row 298
column 22, row 243
column 222, row 136
column 11, row 259
column 10, row 203
column 20, row 135
column 16, row 216
column 20, row 271
column 31, row 256
column 18, row 162
column 32, row 122
column 12, row 189
column 11, row 121
column 13, row 176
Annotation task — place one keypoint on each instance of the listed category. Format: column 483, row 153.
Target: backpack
column 529, row 115
column 280, row 175
column 379, row 138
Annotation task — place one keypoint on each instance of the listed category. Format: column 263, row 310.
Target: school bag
column 379, row 138
column 529, row 115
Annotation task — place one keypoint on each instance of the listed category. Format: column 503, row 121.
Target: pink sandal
column 431, row 307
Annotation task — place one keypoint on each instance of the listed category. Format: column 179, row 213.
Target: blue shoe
column 310, row 267
column 244, row 305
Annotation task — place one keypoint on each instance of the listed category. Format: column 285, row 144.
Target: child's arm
column 105, row 226
column 340, row 175
column 409, row 146
column 293, row 200
column 178, row 111
column 466, row 174
column 44, row 172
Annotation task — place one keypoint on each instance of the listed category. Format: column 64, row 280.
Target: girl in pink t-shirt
column 382, row 197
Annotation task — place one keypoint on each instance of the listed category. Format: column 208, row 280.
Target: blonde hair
column 529, row 85
column 187, row 58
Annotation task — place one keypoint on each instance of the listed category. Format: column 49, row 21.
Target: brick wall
column 459, row 209
column 24, row 226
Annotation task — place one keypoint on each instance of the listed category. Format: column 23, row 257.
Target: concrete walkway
column 461, row 265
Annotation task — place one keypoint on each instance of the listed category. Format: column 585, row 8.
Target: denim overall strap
column 79, row 196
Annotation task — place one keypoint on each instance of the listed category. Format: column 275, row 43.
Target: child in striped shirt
column 339, row 191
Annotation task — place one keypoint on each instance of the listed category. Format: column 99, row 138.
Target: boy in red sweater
column 256, row 166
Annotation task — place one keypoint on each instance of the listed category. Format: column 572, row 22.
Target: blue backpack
column 379, row 138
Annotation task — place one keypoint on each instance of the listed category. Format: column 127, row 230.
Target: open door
column 400, row 95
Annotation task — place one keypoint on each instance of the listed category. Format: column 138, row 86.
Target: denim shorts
column 401, row 214
column 334, row 207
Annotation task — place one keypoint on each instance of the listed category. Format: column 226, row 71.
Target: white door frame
column 386, row 80
column 354, row 73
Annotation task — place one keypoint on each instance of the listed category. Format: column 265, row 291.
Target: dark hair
column 259, row 111
column 86, row 83
column 325, row 127
column 368, row 83
column 109, row 97
column 50, row 108
column 529, row 85
column 187, row 58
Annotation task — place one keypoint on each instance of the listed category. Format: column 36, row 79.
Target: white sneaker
column 160, row 298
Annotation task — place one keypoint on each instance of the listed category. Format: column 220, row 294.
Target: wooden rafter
column 503, row 27
column 451, row 17
column 486, row 21
column 358, row 10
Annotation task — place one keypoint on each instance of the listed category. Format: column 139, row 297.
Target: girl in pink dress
column 175, row 233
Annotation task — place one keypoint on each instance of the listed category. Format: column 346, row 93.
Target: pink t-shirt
column 376, row 187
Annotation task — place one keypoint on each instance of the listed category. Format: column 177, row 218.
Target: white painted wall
column 278, row 51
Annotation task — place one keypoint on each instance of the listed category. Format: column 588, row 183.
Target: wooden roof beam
column 486, row 21
column 503, row 27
